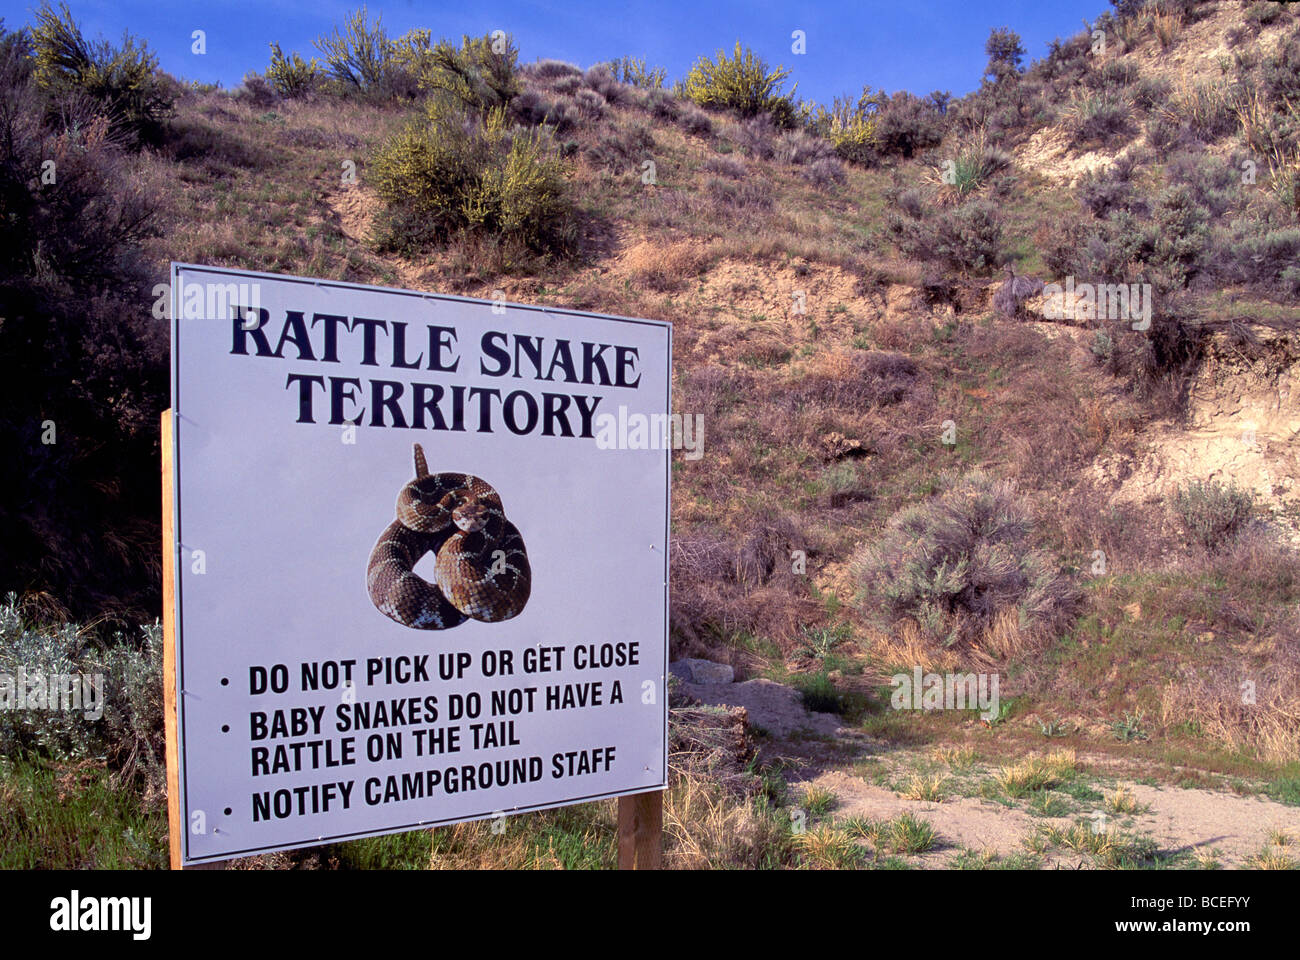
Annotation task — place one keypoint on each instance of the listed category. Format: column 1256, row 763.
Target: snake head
column 470, row 517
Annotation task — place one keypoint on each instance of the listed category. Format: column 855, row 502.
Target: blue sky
column 895, row 45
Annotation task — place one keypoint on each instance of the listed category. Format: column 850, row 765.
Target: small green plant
column 1048, row 803
column 819, row 693
column 826, row 847
column 818, row 801
column 973, row 166
column 1213, row 513
column 958, row 759
column 1053, row 728
column 929, row 788
column 742, row 82
column 1106, row 848
column 1130, row 728
column 819, row 643
column 1122, row 801
column 910, row 834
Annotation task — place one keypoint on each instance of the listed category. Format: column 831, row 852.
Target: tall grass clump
column 962, row 570
column 973, row 166
column 1097, row 118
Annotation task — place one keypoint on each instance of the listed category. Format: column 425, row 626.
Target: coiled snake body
column 482, row 567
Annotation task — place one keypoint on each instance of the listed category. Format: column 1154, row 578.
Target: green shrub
column 955, row 563
column 128, row 734
column 742, row 82
column 1107, row 188
column 480, row 76
column 80, row 354
column 1097, row 118
column 358, row 56
column 1166, row 245
column 1213, row 182
column 633, row 72
column 905, row 123
column 1281, row 71
column 292, row 76
column 1180, row 234
column 1213, row 513
column 851, row 130
column 1263, row 13
column 454, row 174
column 1005, row 53
column 967, row 237
column 123, row 82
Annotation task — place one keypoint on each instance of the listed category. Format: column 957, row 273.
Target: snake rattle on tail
column 482, row 567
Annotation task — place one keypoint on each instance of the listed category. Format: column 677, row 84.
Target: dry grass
column 827, row 847
column 1269, row 726
column 1122, row 801
column 927, row 787
column 1271, row 858
column 958, row 758
column 1206, row 108
column 706, row 829
column 1167, row 25
column 665, row 268
column 1109, row 848
column 1037, row 773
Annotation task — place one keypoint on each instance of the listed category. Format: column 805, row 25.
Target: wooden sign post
column 169, row 642
column 640, row 831
column 174, row 815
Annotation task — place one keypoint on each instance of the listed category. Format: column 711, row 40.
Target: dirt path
column 1214, row 827
column 1220, row 826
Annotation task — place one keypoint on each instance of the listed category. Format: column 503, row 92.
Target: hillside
column 898, row 471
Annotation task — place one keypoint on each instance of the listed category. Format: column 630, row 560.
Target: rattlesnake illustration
column 482, row 568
